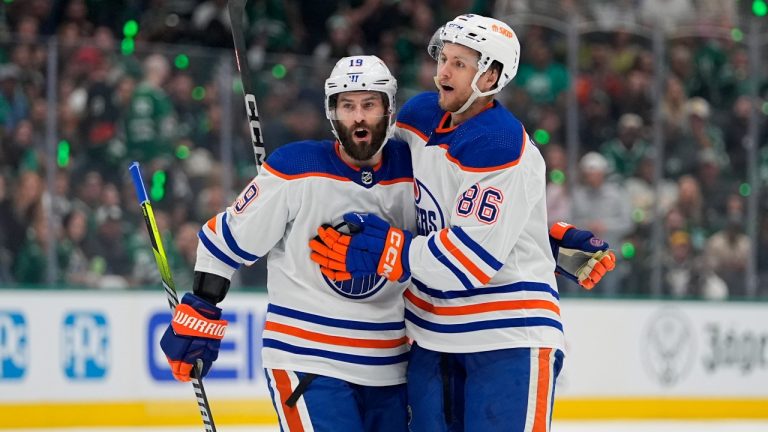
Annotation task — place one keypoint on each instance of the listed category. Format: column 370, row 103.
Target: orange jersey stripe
column 492, row 168
column 463, row 259
column 396, row 180
column 444, row 120
column 481, row 308
column 541, row 419
column 334, row 340
column 284, row 390
column 305, row 175
column 212, row 224
column 412, row 129
column 445, row 129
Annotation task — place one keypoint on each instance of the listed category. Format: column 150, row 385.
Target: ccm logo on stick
column 253, row 120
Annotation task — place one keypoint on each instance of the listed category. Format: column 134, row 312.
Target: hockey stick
column 236, row 12
column 170, row 287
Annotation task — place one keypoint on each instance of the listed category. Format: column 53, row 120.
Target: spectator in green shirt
column 14, row 105
column 625, row 152
column 151, row 120
column 541, row 77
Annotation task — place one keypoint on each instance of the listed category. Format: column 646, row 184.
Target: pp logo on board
column 14, row 351
column 85, row 345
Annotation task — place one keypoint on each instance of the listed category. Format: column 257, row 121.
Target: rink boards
column 87, row 358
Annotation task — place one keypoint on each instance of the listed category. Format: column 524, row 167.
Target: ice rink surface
column 603, row 426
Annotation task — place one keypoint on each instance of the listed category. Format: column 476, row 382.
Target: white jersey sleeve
column 490, row 213
column 249, row 228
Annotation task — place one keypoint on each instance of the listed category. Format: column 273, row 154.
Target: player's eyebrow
column 367, row 98
column 460, row 57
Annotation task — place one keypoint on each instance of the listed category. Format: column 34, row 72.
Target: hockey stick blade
column 170, row 289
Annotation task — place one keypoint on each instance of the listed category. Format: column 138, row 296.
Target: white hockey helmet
column 361, row 73
column 494, row 40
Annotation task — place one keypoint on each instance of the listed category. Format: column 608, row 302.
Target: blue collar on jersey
column 392, row 168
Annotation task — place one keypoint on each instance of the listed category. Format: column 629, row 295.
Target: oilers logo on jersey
column 357, row 288
column 429, row 217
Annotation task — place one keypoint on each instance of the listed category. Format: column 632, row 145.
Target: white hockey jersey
column 482, row 268
column 351, row 330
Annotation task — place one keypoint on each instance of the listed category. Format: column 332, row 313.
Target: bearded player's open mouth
column 361, row 133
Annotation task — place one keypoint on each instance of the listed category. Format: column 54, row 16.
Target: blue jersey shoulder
column 421, row 112
column 397, row 161
column 319, row 158
column 491, row 140
column 303, row 157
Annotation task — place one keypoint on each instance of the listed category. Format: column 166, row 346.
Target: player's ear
column 488, row 79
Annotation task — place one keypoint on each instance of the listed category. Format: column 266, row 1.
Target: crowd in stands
column 154, row 82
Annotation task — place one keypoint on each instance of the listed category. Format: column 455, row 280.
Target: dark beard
column 364, row 151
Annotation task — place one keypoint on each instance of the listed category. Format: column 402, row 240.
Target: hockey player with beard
column 483, row 307
column 334, row 353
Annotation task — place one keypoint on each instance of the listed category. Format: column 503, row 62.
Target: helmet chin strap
column 476, row 93
column 469, row 101
column 390, row 128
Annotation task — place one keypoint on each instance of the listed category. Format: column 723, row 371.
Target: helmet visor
column 435, row 44
column 370, row 106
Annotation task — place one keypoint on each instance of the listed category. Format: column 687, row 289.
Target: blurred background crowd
column 650, row 114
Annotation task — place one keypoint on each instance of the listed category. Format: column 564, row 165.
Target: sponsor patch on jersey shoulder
column 247, row 196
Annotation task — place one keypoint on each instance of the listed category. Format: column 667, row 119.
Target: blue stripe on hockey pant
column 488, row 391
column 334, row 405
